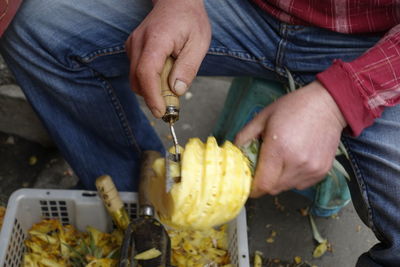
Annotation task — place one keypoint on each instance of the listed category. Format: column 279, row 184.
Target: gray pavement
column 200, row 109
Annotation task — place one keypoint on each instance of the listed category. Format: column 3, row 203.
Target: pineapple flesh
column 215, row 184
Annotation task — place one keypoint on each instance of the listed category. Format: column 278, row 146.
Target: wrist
column 329, row 101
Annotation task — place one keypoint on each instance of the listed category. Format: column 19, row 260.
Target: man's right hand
column 174, row 27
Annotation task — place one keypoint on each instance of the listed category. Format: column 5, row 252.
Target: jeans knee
column 32, row 18
column 39, row 29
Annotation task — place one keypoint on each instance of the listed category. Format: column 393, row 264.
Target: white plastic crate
column 83, row 208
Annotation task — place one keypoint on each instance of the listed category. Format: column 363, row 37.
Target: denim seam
column 225, row 52
column 363, row 187
column 223, row 49
column 120, row 112
column 279, row 69
column 238, row 53
column 282, row 72
column 102, row 52
column 281, row 46
column 295, row 27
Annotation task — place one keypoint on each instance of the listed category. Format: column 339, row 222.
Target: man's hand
column 174, row 27
column 300, row 133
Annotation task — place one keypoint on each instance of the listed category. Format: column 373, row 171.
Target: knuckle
column 316, row 168
column 273, row 192
column 324, row 170
column 301, row 186
column 141, row 71
column 286, row 185
column 303, row 160
column 268, row 188
column 134, row 35
column 313, row 167
column 134, row 38
column 263, row 186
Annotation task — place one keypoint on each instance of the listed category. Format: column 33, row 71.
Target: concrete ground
column 281, row 214
column 25, row 163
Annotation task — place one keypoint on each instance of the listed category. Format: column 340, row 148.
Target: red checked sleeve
column 364, row 87
column 8, row 8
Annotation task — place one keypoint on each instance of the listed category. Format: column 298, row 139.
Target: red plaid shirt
column 8, row 8
column 363, row 87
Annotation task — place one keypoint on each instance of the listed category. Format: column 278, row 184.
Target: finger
column 186, row 66
column 134, row 47
column 128, row 47
column 253, row 129
column 269, row 170
column 148, row 72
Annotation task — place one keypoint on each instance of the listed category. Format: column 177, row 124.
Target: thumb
column 253, row 129
column 269, row 171
column 185, row 69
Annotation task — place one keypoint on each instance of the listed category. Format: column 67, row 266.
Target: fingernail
column 180, row 87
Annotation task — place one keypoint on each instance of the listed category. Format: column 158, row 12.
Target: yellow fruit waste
column 215, row 184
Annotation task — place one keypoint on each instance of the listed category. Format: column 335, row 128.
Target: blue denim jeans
column 69, row 58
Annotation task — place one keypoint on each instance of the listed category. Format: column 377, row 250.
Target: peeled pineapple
column 215, row 184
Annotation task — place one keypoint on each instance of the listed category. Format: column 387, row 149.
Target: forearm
column 364, row 87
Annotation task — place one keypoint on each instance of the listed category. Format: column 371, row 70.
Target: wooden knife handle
column 108, row 193
column 111, row 199
column 170, row 98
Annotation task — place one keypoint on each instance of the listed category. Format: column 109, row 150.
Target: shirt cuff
column 339, row 83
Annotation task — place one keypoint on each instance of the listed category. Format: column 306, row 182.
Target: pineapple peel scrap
column 258, row 259
column 2, row 214
column 320, row 250
column 148, row 254
column 193, row 248
column 50, row 243
column 322, row 247
column 105, row 262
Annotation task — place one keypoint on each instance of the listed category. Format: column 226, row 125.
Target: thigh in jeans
column 244, row 41
column 375, row 157
column 68, row 56
column 375, row 154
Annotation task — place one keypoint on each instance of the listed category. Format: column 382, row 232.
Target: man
column 70, row 59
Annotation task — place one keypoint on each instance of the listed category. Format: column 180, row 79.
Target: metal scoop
column 148, row 232
column 144, row 232
column 171, row 116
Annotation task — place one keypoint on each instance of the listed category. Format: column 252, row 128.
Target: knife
column 171, row 116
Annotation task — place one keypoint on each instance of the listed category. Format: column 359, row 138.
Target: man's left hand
column 300, row 133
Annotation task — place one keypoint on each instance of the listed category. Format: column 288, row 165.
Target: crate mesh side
column 233, row 244
column 132, row 209
column 55, row 209
column 15, row 247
